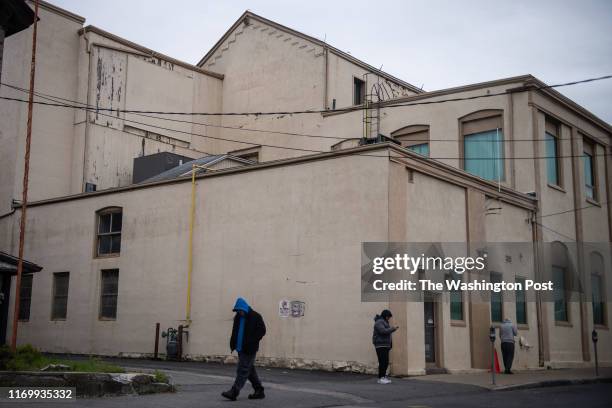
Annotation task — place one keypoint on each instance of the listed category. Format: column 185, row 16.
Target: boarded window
column 25, row 296
column 109, row 232
column 109, row 287
column 59, row 307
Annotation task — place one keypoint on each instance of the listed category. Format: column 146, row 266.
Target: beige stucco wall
column 289, row 232
column 121, row 77
column 90, row 68
column 431, row 199
column 268, row 69
column 56, row 62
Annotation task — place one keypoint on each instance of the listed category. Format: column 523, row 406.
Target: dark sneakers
column 230, row 394
column 258, row 394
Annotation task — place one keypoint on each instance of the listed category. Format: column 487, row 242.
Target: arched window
column 413, row 137
column 482, row 147
column 108, row 231
column 560, row 278
column 597, row 288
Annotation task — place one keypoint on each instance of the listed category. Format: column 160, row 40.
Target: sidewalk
column 200, row 384
column 525, row 379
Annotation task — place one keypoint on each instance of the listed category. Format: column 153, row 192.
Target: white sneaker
column 384, row 380
column 388, row 380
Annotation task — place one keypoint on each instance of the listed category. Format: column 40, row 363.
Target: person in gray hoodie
column 381, row 338
column 507, row 332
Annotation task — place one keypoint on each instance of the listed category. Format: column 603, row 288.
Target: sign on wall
column 284, row 308
column 291, row 308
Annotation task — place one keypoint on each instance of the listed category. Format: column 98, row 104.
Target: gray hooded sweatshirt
column 507, row 331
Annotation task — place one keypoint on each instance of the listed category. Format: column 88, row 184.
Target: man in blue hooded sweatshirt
column 248, row 330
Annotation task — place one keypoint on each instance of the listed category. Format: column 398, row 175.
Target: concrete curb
column 552, row 383
column 87, row 384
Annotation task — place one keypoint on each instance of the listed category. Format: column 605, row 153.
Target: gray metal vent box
column 148, row 166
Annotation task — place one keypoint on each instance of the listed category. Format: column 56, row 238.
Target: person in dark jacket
column 381, row 338
column 248, row 330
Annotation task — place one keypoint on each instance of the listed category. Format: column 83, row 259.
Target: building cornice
column 535, row 84
column 388, row 151
column 146, row 51
column 527, row 83
column 441, row 92
column 59, row 11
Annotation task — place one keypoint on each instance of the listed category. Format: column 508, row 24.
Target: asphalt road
column 200, row 385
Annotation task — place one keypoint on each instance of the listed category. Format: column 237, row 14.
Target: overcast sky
column 431, row 43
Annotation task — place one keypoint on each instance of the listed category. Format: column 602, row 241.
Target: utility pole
column 26, row 172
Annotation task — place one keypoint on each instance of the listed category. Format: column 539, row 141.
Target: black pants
column 383, row 360
column 508, row 354
column 246, row 370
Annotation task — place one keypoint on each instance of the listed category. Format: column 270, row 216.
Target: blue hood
column 241, row 304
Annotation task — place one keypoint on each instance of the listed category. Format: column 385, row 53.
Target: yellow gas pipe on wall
column 190, row 256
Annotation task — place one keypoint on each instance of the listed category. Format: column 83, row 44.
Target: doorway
column 5, row 291
column 432, row 321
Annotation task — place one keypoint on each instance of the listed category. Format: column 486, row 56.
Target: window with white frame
column 108, row 238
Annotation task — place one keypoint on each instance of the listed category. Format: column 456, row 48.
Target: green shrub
column 5, row 356
column 94, row 364
column 160, row 377
column 26, row 358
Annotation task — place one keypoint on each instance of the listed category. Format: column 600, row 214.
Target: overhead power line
column 573, row 209
column 85, row 108
column 355, row 108
column 555, row 231
column 59, row 99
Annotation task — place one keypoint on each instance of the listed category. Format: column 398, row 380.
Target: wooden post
column 179, row 357
column 155, row 353
column 26, row 173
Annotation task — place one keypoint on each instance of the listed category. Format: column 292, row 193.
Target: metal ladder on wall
column 375, row 93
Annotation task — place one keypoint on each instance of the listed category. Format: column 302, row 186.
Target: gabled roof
column 186, row 168
column 250, row 15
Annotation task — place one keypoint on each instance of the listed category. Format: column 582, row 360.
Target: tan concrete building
column 115, row 260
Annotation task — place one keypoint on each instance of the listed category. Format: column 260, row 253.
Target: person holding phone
column 381, row 338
